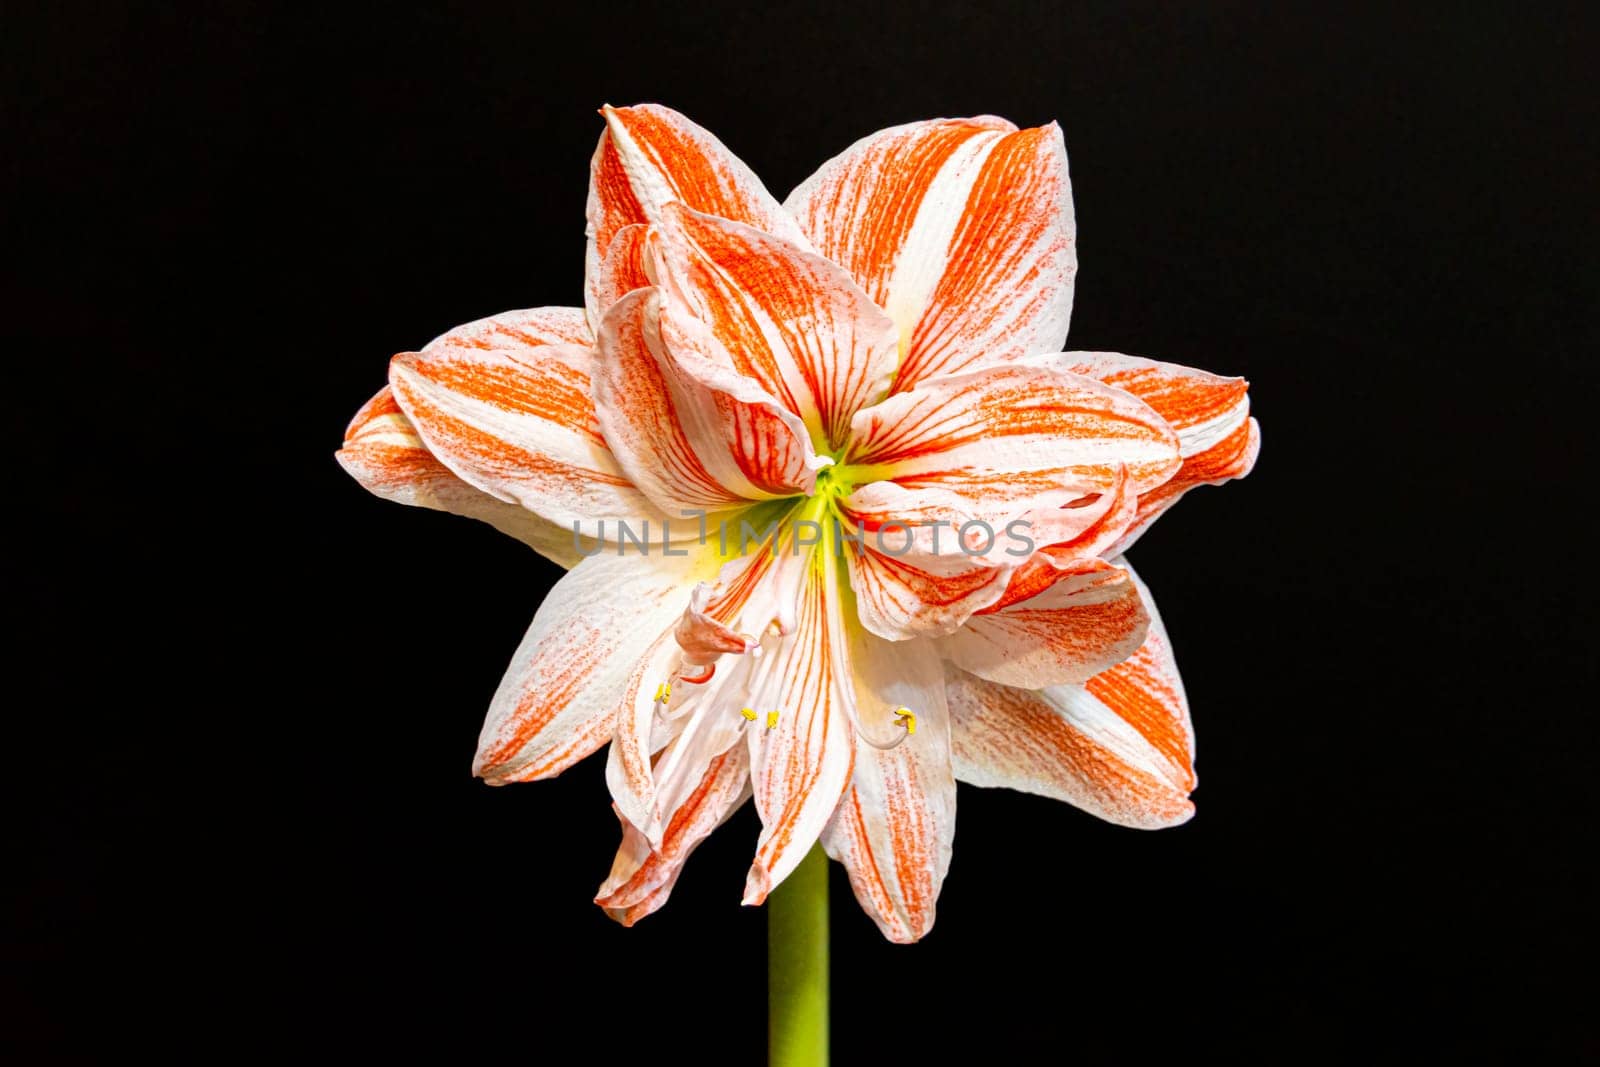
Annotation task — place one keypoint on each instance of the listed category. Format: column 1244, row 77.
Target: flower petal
column 1090, row 618
column 1088, row 527
column 559, row 698
column 666, row 158
column 801, row 766
column 383, row 452
column 1211, row 414
column 704, row 638
column 641, row 877
column 671, row 433
column 1085, row 531
column 907, row 570
column 618, row 271
column 1232, row 457
column 650, row 156
column 895, row 825
column 961, row 228
column 780, row 315
column 684, row 698
column 1029, row 433
column 1063, row 743
column 1203, row 408
column 1147, row 692
column 678, row 711
column 504, row 403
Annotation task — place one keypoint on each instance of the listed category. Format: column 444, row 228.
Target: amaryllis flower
column 906, row 508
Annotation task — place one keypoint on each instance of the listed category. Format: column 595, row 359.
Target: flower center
column 834, row 481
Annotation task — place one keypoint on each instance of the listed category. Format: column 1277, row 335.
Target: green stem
column 797, row 966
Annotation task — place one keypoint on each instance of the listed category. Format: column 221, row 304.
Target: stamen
column 664, row 713
column 755, row 683
column 904, row 718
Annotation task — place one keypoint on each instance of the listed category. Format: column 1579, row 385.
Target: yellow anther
column 663, row 693
column 907, row 718
column 772, row 719
column 748, row 713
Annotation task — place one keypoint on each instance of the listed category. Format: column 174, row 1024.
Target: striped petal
column 685, row 697
column 642, row 877
column 680, row 712
column 895, row 825
column 803, row 764
column 778, row 314
column 671, row 433
column 383, row 452
column 1087, row 620
column 913, row 566
column 618, row 272
column 650, row 156
column 786, row 696
column 559, row 698
column 1099, row 523
column 1062, row 743
column 1029, row 434
column 961, row 228
column 1211, row 414
column 1090, row 526
column 900, row 599
column 1146, row 691
column 1232, row 457
column 504, row 403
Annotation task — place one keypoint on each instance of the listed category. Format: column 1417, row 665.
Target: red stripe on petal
column 782, row 316
column 1090, row 618
column 859, row 209
column 1006, row 291
column 1060, row 743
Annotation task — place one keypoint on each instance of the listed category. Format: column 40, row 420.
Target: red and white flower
column 878, row 355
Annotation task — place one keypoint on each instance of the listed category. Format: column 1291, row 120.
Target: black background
column 245, row 694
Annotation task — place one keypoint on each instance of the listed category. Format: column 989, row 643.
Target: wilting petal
column 1211, row 414
column 780, row 315
column 801, row 766
column 1090, row 618
column 894, row 826
column 961, row 228
column 650, row 156
column 1062, row 743
column 640, row 877
column 383, row 452
column 1026, row 434
column 507, row 407
column 558, row 700
column 670, row 432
